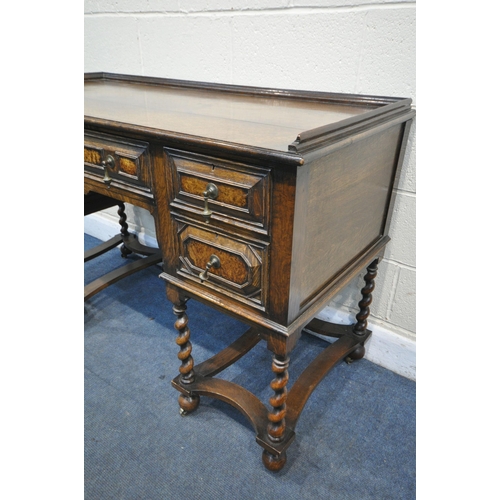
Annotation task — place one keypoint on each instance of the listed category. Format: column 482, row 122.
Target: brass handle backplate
column 213, row 262
column 211, row 192
column 109, row 162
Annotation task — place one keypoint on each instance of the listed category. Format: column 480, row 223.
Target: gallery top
column 273, row 119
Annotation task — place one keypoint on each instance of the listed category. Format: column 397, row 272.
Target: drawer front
column 127, row 161
column 240, row 196
column 242, row 268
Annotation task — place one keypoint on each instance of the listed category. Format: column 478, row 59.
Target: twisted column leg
column 123, row 228
column 276, row 417
column 364, row 309
column 187, row 403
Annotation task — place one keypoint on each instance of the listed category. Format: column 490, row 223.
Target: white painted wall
column 354, row 46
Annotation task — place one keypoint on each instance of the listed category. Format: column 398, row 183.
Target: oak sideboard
column 266, row 203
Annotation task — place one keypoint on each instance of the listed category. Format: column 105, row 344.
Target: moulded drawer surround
column 243, row 191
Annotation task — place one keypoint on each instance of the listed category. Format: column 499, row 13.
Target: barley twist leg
column 187, row 403
column 277, row 424
column 364, row 309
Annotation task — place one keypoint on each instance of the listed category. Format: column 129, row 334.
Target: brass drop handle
column 213, row 262
column 211, row 192
column 109, row 162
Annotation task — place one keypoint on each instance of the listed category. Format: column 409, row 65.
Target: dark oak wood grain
column 266, row 202
column 242, row 196
column 220, row 114
column 347, row 193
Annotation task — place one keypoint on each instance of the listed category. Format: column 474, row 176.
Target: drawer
column 241, row 270
column 239, row 193
column 127, row 161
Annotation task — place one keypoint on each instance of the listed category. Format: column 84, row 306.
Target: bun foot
column 188, row 403
column 125, row 252
column 358, row 353
column 274, row 463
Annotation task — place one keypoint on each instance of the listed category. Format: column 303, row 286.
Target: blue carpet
column 355, row 438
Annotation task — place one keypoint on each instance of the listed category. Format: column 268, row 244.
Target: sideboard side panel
column 346, row 207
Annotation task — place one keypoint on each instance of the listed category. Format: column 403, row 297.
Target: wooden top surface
column 264, row 121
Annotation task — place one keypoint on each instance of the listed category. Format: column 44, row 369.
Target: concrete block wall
column 353, row 46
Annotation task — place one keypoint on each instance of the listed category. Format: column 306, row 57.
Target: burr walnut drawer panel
column 232, row 266
column 118, row 161
column 238, row 194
